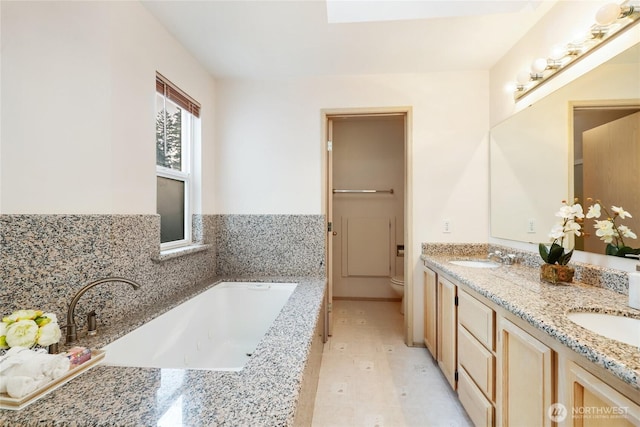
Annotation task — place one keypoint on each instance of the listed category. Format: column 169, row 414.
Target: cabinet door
column 430, row 312
column 479, row 409
column 477, row 318
column 476, row 360
column 447, row 325
column 592, row 403
column 525, row 378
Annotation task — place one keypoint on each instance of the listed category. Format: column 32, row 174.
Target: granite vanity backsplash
column 616, row 280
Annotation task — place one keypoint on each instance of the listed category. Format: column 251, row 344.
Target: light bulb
column 558, row 52
column 539, row 65
column 608, row 13
column 523, row 77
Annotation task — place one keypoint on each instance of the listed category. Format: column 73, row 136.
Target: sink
column 475, row 263
column 619, row 328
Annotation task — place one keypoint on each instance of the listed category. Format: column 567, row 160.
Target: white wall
column 269, row 157
column 78, row 82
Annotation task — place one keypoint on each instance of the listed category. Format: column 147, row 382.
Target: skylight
column 346, row 11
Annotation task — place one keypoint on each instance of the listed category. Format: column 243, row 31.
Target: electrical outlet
column 446, row 226
column 531, row 226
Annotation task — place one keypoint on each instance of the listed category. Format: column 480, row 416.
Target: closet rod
column 363, row 191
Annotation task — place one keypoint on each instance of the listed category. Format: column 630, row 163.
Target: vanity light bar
column 611, row 19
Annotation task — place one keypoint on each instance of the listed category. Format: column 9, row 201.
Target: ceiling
column 294, row 38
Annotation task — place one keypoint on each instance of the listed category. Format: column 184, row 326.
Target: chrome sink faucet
column 507, row 259
column 71, row 327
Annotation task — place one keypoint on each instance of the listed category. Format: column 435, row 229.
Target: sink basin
column 476, row 263
column 619, row 328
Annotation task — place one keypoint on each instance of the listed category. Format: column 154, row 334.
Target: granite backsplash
column 46, row 259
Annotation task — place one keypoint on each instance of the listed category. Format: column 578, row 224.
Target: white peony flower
column 623, row 214
column 49, row 334
column 594, row 211
column 22, row 315
column 51, row 316
column 22, row 333
column 3, row 335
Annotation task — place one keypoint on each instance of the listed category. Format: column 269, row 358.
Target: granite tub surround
column 46, row 259
column 270, row 245
column 518, row 290
column 264, row 393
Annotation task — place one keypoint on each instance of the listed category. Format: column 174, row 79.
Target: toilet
column 397, row 284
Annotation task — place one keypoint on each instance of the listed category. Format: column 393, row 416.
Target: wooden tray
column 11, row 403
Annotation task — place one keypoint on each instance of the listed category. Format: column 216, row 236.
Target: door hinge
column 329, row 227
column 329, row 145
column 455, row 301
column 455, row 376
column 330, row 307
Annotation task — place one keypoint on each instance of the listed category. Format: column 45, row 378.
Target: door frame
column 326, row 194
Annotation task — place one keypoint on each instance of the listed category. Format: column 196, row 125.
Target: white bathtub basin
column 216, row 330
column 619, row 328
column 475, row 263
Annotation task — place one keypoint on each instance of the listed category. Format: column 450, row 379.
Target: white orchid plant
column 27, row 328
column 571, row 217
column 611, row 233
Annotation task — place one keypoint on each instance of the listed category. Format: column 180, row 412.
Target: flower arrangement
column 27, row 328
column 570, row 223
column 611, row 233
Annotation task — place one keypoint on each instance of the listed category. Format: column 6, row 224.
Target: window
column 176, row 126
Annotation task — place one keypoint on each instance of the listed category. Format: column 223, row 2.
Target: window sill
column 182, row 251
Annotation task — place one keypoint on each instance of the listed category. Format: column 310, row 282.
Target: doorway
column 606, row 161
column 367, row 208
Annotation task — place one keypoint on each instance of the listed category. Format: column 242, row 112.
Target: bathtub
column 217, row 330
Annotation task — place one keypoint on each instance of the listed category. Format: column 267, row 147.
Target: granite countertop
column 518, row 289
column 265, row 392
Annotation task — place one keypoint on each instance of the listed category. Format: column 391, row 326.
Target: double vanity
column 524, row 352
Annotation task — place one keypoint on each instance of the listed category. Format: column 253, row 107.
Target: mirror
column 533, row 161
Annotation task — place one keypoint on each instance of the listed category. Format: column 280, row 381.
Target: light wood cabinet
column 589, row 402
column 476, row 359
column 447, row 328
column 507, row 373
column 525, row 378
column 430, row 311
column 478, row 407
column 477, row 318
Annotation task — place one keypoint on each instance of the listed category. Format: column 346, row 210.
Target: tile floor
column 369, row 377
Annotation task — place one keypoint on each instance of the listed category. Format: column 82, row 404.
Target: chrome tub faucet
column 71, row 327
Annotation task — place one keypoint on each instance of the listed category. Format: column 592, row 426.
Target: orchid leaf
column 621, row 251
column 555, row 253
column 564, row 259
column 544, row 252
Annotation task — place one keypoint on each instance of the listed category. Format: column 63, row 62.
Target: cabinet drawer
column 477, row 318
column 479, row 409
column 477, row 361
